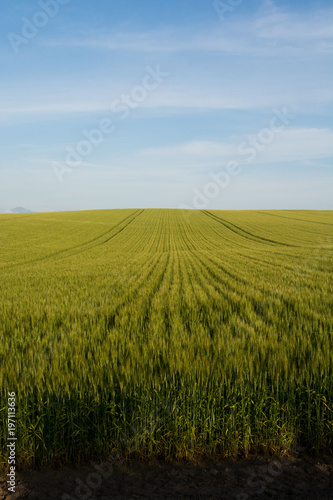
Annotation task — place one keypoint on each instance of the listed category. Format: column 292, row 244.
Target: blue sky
column 197, row 104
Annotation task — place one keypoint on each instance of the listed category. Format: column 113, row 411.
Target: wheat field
column 166, row 333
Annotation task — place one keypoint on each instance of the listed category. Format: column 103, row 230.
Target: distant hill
column 19, row 210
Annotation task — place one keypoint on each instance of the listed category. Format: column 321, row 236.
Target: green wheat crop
column 166, row 333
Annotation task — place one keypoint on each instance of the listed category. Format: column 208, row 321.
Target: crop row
column 166, row 333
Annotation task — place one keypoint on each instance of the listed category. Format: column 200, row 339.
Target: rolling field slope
column 166, row 332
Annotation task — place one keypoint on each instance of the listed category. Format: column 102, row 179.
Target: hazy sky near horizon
column 200, row 103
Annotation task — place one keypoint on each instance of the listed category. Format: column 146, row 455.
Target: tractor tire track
column 238, row 230
column 294, row 218
column 62, row 253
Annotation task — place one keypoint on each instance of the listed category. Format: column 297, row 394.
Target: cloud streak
column 288, row 146
column 236, row 37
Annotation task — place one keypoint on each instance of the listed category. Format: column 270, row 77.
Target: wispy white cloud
column 237, row 37
column 228, row 75
column 289, row 145
column 286, row 26
column 194, row 148
column 257, row 39
column 48, row 108
column 173, row 99
column 301, row 144
column 155, row 41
